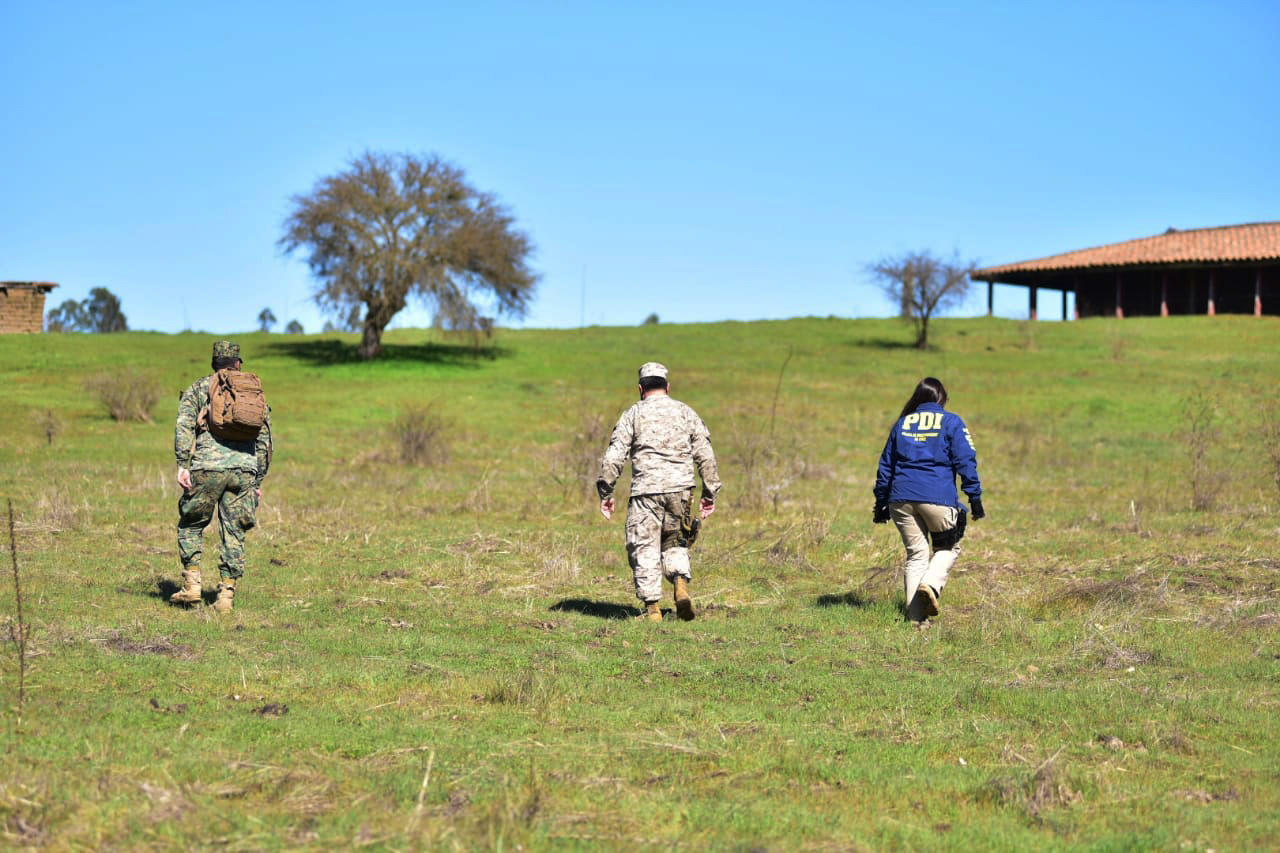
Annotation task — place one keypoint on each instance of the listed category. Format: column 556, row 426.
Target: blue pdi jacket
column 924, row 453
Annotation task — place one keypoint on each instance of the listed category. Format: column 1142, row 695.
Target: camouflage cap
column 226, row 349
column 652, row 368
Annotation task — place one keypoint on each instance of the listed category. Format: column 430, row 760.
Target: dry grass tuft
column 1038, row 792
column 61, row 512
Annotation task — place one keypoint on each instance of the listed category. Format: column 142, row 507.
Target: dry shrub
column 1271, row 438
column 768, row 463
column 1201, row 437
column 50, row 423
column 129, row 393
column 575, row 461
column 421, row 435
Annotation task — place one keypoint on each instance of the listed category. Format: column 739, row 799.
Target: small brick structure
column 22, row 306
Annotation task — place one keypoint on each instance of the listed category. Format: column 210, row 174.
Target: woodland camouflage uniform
column 225, row 476
column 665, row 440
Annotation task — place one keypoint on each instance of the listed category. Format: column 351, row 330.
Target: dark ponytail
column 929, row 390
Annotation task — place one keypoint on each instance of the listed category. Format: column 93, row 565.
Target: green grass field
column 442, row 657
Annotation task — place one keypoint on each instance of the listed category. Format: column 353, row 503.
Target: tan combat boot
column 652, row 612
column 190, row 592
column 684, row 604
column 226, row 594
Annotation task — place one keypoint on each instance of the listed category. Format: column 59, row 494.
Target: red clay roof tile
column 1257, row 241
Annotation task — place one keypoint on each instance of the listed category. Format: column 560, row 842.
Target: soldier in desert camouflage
column 215, row 474
column 665, row 440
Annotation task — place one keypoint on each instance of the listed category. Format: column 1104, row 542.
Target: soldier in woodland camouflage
column 665, row 440
column 215, row 474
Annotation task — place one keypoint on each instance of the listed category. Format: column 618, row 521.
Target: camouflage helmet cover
column 226, row 349
column 653, row 368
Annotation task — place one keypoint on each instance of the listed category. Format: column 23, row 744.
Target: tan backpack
column 237, row 408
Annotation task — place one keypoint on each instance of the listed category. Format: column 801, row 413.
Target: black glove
column 880, row 514
column 975, row 509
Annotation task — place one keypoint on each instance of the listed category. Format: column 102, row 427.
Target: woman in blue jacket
column 916, row 487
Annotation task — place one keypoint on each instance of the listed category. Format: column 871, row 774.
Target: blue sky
column 701, row 161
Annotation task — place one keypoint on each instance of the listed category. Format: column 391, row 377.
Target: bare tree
column 396, row 225
column 922, row 285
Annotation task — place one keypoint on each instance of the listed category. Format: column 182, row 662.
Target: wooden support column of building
column 1031, row 300
column 1075, row 288
column 1257, row 294
column 991, row 298
column 1212, row 310
column 1164, row 294
column 1119, row 297
column 1064, row 305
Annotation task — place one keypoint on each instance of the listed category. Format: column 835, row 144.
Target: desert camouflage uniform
column 225, row 475
column 665, row 440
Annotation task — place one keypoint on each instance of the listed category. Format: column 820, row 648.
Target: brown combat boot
column 652, row 612
column 226, row 594
column 684, row 604
column 190, row 592
column 930, row 599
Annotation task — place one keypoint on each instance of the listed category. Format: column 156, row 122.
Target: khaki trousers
column 914, row 522
column 653, row 531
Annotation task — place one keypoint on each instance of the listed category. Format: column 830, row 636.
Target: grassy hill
column 440, row 655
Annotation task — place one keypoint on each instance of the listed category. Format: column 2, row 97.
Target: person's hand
column 880, row 514
column 975, row 509
column 606, row 508
column 184, row 479
column 707, row 506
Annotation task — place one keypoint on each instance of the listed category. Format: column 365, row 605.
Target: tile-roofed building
column 22, row 305
column 1231, row 269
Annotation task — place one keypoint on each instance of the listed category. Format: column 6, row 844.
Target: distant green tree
column 922, row 285
column 294, row 328
column 266, row 319
column 394, row 226
column 100, row 312
column 67, row 317
column 651, row 320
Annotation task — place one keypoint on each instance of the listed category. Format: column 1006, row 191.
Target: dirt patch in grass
column 163, row 646
column 1261, row 622
column 166, row 804
column 1209, row 796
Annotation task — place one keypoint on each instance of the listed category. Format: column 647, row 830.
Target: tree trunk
column 371, row 340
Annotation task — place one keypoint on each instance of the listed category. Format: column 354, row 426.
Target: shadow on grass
column 325, row 353
column 599, row 609
column 165, row 588
column 882, row 343
column 845, row 599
